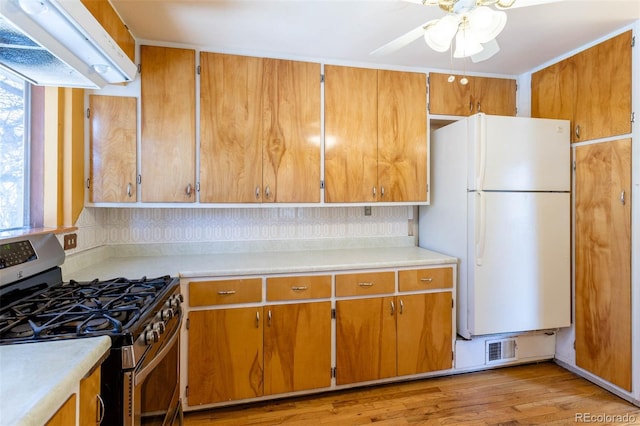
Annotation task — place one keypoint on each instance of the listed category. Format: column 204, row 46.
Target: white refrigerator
column 500, row 203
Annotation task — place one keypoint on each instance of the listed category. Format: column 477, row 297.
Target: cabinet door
column 66, row 414
column 168, row 124
column 351, row 134
column 553, row 91
column 603, row 95
column 297, row 347
column 449, row 98
column 365, row 339
column 291, row 132
column 424, row 333
column 89, row 392
column 111, row 22
column 230, row 128
column 225, row 355
column 402, row 136
column 603, row 260
column 112, row 140
column 495, row 96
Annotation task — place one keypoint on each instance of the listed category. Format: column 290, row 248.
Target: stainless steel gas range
column 142, row 316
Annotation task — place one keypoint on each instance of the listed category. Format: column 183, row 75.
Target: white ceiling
column 339, row 31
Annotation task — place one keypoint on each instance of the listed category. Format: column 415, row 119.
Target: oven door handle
column 142, row 375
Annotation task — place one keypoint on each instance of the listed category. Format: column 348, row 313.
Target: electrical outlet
column 367, row 210
column 70, row 241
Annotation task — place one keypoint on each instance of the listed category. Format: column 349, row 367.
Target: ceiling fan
column 473, row 24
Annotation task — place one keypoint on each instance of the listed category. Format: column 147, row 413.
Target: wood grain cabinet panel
column 225, row 292
column 90, row 409
column 365, row 339
column 603, row 260
column 297, row 347
column 425, row 279
column 591, row 88
column 112, row 143
column 365, row 283
column 225, row 355
column 299, row 287
column 495, row 96
column 66, row 414
column 260, row 130
column 375, row 143
column 168, row 124
column 424, row 333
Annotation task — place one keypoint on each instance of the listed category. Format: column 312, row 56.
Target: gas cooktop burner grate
column 79, row 309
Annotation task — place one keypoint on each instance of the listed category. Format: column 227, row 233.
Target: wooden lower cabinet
column 297, row 347
column 66, row 414
column 365, row 339
column 225, row 355
column 91, row 409
column 382, row 337
column 603, row 260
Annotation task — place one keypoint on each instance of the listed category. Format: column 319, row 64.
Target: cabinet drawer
column 425, row 279
column 365, row 283
column 295, row 288
column 225, row 292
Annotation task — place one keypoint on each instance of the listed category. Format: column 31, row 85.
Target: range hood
column 59, row 43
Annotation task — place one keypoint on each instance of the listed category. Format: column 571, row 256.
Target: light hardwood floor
column 534, row 394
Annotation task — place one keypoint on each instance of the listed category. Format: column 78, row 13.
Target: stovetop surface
column 115, row 307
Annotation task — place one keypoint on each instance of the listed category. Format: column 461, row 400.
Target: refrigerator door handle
column 480, row 237
column 482, row 155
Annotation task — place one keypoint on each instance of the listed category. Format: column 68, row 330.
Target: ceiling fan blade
column 401, row 41
column 527, row 3
column 489, row 49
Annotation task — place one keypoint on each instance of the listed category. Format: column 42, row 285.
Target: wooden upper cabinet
column 291, row 132
column 603, row 93
column 591, row 88
column 112, row 143
column 111, row 22
column 168, row 124
column 495, row 96
column 402, row 136
column 260, row 130
column 375, row 135
column 230, row 128
column 351, row 134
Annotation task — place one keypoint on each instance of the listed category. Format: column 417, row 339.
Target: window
column 14, row 152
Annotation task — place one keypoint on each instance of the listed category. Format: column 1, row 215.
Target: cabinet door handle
column 269, row 318
column 267, row 192
column 100, row 413
column 393, row 308
column 622, row 198
column 188, row 190
column 299, row 288
column 365, row 284
column 382, row 192
column 257, row 192
column 129, row 190
column 374, row 192
column 257, row 319
column 426, row 280
column 470, row 105
column 401, row 307
column 479, row 109
column 577, row 131
column 226, row 292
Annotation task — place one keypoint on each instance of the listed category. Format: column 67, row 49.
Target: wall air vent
column 500, row 350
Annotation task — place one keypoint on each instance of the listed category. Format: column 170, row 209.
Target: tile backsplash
column 125, row 226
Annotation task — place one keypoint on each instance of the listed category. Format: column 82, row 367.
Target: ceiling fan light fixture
column 440, row 34
column 466, row 46
column 484, row 23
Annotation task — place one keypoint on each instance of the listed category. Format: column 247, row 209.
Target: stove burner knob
column 166, row 314
column 159, row 327
column 151, row 336
column 174, row 301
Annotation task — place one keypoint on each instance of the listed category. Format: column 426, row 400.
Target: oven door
column 154, row 385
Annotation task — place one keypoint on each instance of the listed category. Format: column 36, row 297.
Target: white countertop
column 254, row 263
column 37, row 378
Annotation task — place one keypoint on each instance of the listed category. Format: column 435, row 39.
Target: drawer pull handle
column 365, row 284
column 300, row 288
column 226, row 292
column 393, row 308
column 426, row 280
column 401, row 307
